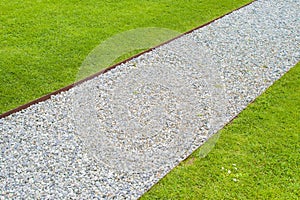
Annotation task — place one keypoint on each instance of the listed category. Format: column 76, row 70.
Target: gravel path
column 119, row 133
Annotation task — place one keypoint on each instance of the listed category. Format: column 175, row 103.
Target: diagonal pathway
column 119, row 133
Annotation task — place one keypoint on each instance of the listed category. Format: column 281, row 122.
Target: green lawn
column 261, row 148
column 43, row 43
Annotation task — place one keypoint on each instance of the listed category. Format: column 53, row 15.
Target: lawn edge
column 68, row 87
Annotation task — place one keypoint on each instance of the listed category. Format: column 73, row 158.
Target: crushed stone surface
column 116, row 135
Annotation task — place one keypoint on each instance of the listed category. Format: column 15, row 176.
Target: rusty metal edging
column 66, row 88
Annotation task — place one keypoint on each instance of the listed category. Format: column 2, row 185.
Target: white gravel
column 118, row 134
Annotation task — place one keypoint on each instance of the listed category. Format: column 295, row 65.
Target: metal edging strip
column 66, row 88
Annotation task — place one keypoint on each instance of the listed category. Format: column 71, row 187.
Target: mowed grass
column 43, row 43
column 256, row 157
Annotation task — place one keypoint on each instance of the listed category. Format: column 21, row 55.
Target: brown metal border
column 48, row 96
